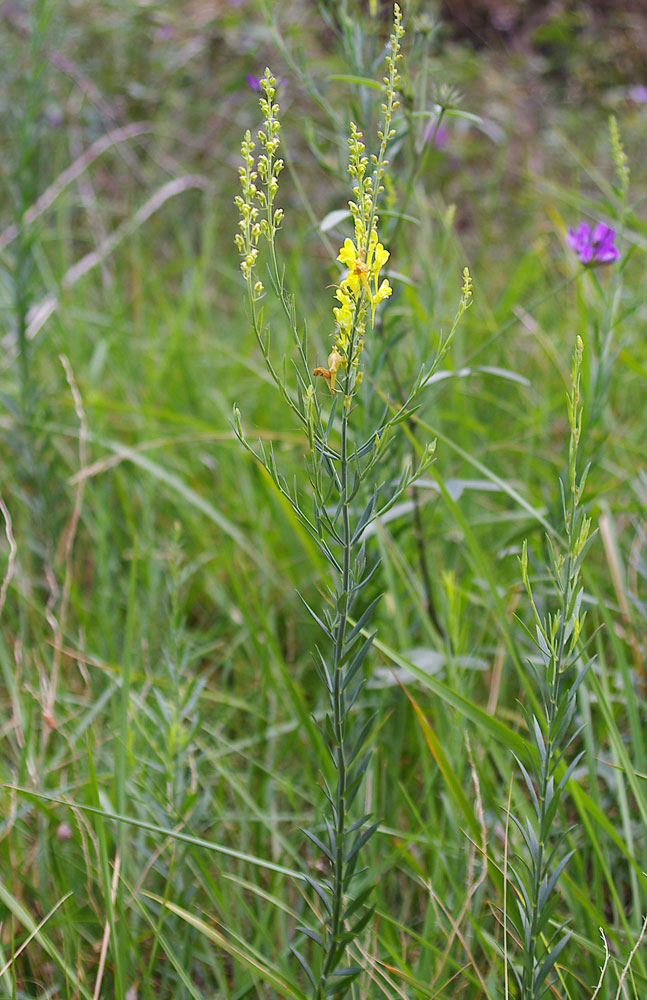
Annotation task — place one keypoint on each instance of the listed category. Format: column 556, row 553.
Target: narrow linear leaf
column 248, row 957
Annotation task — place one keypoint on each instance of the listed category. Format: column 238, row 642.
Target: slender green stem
column 531, row 952
column 530, row 959
column 330, row 939
column 20, row 312
column 414, row 176
column 419, row 531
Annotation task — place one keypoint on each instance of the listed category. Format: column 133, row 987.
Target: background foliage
column 156, row 661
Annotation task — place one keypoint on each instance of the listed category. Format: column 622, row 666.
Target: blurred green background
column 155, row 657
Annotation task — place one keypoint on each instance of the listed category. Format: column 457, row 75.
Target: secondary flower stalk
column 364, row 256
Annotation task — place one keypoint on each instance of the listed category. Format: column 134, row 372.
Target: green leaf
column 246, row 955
column 141, row 824
column 486, row 722
column 37, row 932
column 362, row 81
column 448, row 772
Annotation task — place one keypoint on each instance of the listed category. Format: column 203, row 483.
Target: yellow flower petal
column 344, row 317
column 383, row 292
column 381, row 257
column 343, row 295
column 348, row 254
column 352, row 282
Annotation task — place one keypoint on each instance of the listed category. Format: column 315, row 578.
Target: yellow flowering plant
column 346, row 497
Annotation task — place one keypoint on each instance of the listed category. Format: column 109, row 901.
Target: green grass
column 160, row 754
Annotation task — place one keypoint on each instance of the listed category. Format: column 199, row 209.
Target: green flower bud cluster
column 620, row 160
column 250, row 230
column 368, row 188
column 258, row 216
column 391, row 81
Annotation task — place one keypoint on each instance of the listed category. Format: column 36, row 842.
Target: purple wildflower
column 638, row 94
column 438, row 133
column 593, row 247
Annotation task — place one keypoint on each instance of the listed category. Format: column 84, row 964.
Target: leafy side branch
column 560, row 669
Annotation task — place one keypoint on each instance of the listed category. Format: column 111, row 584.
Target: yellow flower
column 348, row 254
column 364, row 268
column 357, row 269
column 343, row 314
column 381, row 294
column 377, row 256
